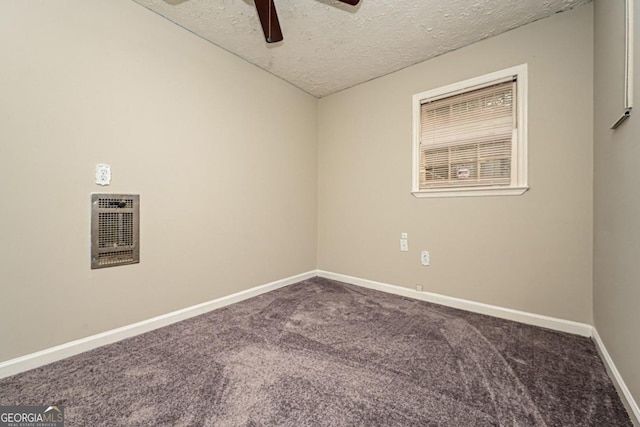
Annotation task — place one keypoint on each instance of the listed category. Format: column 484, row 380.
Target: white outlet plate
column 419, row 288
column 425, row 258
column 404, row 236
column 103, row 174
column 404, row 245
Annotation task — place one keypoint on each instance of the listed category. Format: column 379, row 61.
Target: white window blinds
column 468, row 139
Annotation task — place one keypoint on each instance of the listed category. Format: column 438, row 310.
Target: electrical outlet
column 419, row 288
column 404, row 236
column 103, row 174
column 404, row 245
column 425, row 258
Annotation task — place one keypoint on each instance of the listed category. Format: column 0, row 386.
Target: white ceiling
column 329, row 46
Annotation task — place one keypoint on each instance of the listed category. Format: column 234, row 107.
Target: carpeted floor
column 322, row 353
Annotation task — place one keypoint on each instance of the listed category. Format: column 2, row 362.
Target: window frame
column 519, row 172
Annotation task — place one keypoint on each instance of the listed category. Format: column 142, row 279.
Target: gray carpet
column 322, row 353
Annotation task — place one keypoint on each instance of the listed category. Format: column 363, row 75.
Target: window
column 470, row 137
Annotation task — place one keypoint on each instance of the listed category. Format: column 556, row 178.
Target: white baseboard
column 623, row 391
column 49, row 355
column 569, row 326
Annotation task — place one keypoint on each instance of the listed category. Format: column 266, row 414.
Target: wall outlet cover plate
column 103, row 174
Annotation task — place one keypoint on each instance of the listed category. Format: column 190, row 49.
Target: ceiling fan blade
column 351, row 2
column 269, row 20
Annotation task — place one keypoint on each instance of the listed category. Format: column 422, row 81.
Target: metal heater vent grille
column 115, row 229
column 113, row 203
column 114, row 258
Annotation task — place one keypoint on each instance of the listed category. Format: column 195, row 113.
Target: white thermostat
column 103, row 174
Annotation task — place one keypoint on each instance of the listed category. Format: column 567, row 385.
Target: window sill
column 471, row 192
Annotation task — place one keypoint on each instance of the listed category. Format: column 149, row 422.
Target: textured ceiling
column 329, row 46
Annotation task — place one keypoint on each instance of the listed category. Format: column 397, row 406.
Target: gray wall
column 222, row 154
column 616, row 200
column 531, row 252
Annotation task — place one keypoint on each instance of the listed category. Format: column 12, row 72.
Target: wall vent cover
column 115, row 229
